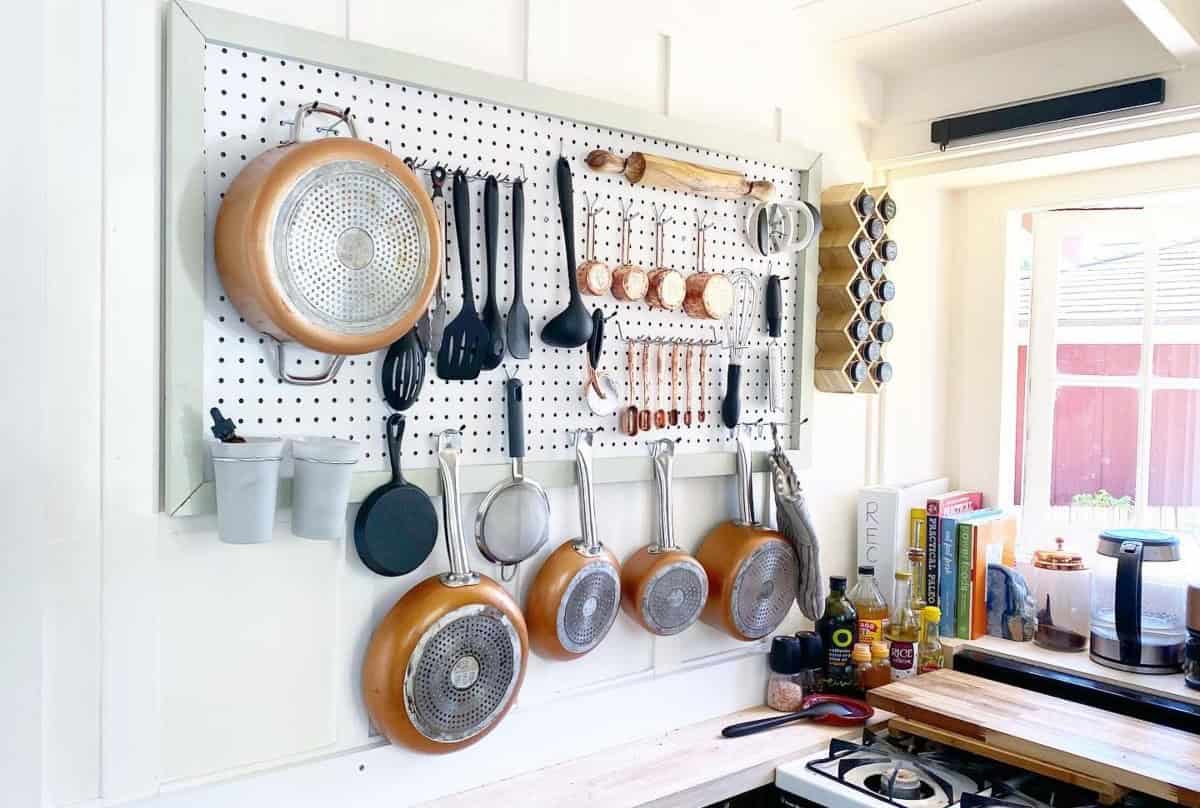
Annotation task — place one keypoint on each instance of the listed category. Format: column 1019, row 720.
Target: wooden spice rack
column 855, row 251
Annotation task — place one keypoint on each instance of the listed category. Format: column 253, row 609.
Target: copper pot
column 662, row 587
column 331, row 243
column 574, row 600
column 709, row 295
column 629, row 281
column 447, row 662
column 594, row 276
column 665, row 288
column 752, row 570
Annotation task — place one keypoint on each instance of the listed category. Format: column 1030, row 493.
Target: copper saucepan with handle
column 662, row 587
column 752, row 570
column 332, row 243
column 574, row 599
column 447, row 662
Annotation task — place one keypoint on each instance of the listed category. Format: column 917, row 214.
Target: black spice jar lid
column 787, row 655
column 812, row 651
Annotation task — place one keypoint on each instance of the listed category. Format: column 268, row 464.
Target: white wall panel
column 326, row 16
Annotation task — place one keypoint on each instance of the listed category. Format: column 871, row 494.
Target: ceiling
column 902, row 36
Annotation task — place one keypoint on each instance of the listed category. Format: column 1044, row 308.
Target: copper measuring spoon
column 660, row 415
column 673, row 415
column 687, row 375
column 645, row 420
column 703, row 371
column 629, row 416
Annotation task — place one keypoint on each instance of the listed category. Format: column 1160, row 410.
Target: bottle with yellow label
column 869, row 605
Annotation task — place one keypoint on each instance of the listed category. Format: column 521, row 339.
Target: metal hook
column 560, row 147
column 620, row 335
column 522, row 165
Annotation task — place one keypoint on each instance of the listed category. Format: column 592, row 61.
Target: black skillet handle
column 761, row 724
column 774, row 303
column 394, row 431
column 491, row 219
column 596, row 342
column 515, row 398
column 566, row 209
column 462, row 227
column 518, row 232
column 731, row 405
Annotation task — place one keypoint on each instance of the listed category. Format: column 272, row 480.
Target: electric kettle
column 1139, row 602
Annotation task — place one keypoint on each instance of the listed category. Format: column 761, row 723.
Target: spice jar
column 863, row 667
column 795, row 668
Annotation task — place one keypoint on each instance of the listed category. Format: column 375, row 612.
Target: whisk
column 737, row 333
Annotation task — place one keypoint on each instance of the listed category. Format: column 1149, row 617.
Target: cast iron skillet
column 396, row 527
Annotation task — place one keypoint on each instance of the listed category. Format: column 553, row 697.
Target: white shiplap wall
column 171, row 660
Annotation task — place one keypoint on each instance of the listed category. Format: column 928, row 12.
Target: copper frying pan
column 448, row 660
column 332, row 243
column 662, row 587
column 752, row 570
column 574, row 599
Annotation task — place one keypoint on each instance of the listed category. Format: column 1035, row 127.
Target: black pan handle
column 596, row 342
column 731, row 405
column 515, row 397
column 566, row 209
column 491, row 219
column 518, row 231
column 462, row 227
column 774, row 302
column 394, row 432
column 762, row 724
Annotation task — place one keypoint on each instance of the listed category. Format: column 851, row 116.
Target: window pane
column 1095, row 448
column 1177, row 361
column 1100, row 287
column 1174, row 497
column 1177, row 309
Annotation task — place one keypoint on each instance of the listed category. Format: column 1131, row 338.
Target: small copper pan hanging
column 709, row 294
column 666, row 288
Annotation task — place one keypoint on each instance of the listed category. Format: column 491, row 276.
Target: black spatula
column 571, row 327
column 517, row 327
column 466, row 337
column 494, row 347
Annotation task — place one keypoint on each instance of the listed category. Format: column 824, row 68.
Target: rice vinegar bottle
column 903, row 631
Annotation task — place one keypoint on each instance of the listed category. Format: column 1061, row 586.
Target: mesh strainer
column 513, row 521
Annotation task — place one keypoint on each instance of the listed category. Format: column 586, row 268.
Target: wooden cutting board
column 1133, row 754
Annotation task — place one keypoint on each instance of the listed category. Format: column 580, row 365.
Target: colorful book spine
column 948, row 574
column 966, row 552
column 916, row 540
column 955, row 502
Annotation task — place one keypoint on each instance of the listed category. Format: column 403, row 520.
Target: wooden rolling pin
column 677, row 175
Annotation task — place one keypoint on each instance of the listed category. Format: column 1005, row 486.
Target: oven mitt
column 791, row 512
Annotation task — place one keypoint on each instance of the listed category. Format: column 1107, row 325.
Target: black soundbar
column 1144, row 93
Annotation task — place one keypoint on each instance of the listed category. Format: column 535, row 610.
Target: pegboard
column 250, row 99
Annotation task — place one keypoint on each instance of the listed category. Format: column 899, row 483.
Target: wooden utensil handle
column 677, row 175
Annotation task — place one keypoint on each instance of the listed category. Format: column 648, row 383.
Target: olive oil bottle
column 838, row 627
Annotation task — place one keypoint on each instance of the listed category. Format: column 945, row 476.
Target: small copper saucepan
column 629, row 281
column 574, row 599
column 752, row 570
column 662, row 587
column 665, row 286
column 709, row 295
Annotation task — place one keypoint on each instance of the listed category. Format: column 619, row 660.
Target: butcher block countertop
column 1127, row 752
column 685, row 768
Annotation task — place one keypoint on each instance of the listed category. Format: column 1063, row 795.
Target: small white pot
column 321, row 486
column 247, row 479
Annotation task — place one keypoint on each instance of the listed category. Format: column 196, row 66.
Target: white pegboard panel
column 248, row 95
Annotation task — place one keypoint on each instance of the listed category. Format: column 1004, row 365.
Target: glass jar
column 1139, row 602
column 1062, row 589
column 793, row 674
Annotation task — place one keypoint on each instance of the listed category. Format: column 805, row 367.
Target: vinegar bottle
column 869, row 605
column 903, row 631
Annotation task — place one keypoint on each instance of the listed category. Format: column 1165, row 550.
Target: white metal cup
column 321, row 486
column 247, row 480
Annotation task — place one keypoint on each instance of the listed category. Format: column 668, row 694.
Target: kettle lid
column 1156, row 545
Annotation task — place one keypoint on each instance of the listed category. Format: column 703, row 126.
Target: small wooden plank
column 1109, row 792
column 1127, row 752
column 690, row 766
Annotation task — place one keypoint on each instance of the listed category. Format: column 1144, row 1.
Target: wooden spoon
column 645, row 420
column 660, row 415
column 629, row 416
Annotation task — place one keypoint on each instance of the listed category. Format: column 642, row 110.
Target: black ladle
column 816, row 711
column 517, row 325
column 571, row 327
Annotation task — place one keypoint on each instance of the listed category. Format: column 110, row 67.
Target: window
column 1107, row 357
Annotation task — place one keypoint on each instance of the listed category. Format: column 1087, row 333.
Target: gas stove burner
column 1024, row 790
column 903, row 786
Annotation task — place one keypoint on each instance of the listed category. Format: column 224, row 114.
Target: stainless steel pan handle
column 449, row 450
column 587, row 501
column 331, row 370
column 328, row 109
column 745, row 480
column 663, row 453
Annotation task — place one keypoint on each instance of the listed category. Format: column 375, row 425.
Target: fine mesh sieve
column 513, row 521
column 462, row 673
column 589, row 606
column 351, row 247
column 764, row 589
